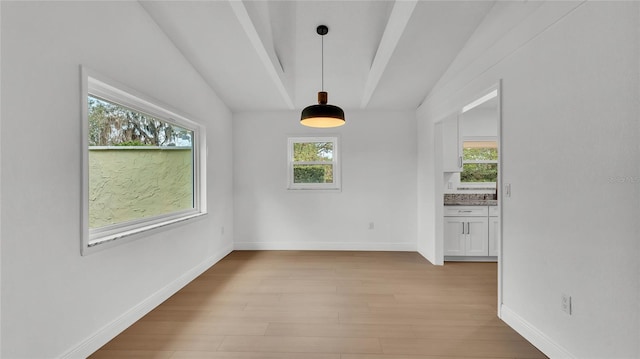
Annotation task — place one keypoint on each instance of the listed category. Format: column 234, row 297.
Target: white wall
column 429, row 148
column 0, row 181
column 480, row 122
column 378, row 153
column 54, row 301
column 570, row 106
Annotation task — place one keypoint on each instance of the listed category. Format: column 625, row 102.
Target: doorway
column 469, row 148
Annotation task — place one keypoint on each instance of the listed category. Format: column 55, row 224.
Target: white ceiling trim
column 400, row 15
column 274, row 70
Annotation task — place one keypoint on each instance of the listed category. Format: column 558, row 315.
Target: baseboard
column 324, row 246
column 423, row 253
column 431, row 260
column 493, row 259
column 550, row 348
column 111, row 330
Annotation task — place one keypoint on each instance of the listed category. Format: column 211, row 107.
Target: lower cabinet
column 454, row 236
column 466, row 236
column 470, row 231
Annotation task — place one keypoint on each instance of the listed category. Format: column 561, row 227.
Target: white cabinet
column 469, row 231
column 466, row 211
column 477, row 236
column 454, row 236
column 451, row 144
column 466, row 236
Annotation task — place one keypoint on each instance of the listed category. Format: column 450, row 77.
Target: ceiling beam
column 400, row 15
column 273, row 69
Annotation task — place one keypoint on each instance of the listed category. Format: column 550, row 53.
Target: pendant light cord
column 322, row 53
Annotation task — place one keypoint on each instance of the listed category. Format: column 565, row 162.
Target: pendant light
column 322, row 115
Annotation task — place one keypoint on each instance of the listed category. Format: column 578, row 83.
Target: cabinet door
column 451, row 144
column 494, row 235
column 477, row 243
column 454, row 236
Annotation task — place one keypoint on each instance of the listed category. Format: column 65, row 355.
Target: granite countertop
column 469, row 199
column 486, row 202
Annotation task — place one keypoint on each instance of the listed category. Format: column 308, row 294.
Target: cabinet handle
column 459, row 161
column 462, row 227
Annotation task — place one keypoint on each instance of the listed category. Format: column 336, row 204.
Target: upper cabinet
column 451, row 144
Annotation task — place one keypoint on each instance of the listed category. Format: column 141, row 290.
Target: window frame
column 497, row 161
column 101, row 238
column 335, row 162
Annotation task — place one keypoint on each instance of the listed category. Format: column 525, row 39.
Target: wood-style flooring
column 327, row 305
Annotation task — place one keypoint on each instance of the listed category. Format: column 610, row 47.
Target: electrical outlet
column 565, row 303
column 449, row 185
column 507, row 190
column 371, row 225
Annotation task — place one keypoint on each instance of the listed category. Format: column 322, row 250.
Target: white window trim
column 336, row 185
column 106, row 237
column 480, row 139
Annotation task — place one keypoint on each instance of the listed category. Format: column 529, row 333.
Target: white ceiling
column 266, row 55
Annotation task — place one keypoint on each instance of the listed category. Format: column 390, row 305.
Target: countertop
column 483, row 202
column 469, row 199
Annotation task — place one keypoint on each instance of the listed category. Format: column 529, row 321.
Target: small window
column 479, row 162
column 142, row 164
column 313, row 163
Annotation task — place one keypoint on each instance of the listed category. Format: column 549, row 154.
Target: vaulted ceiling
column 266, row 55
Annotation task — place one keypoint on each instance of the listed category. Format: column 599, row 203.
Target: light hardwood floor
column 327, row 305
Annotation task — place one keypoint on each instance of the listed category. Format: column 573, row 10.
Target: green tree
column 480, row 153
column 479, row 172
column 309, row 174
column 313, row 152
column 114, row 125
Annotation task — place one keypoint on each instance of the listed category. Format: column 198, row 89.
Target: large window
column 142, row 164
column 479, row 162
column 313, row 163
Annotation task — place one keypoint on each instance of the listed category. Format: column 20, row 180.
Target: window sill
column 99, row 243
column 312, row 189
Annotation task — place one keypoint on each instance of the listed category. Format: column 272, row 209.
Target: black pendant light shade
column 322, row 115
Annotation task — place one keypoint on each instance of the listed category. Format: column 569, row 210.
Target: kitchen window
column 143, row 164
column 479, row 162
column 313, row 163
